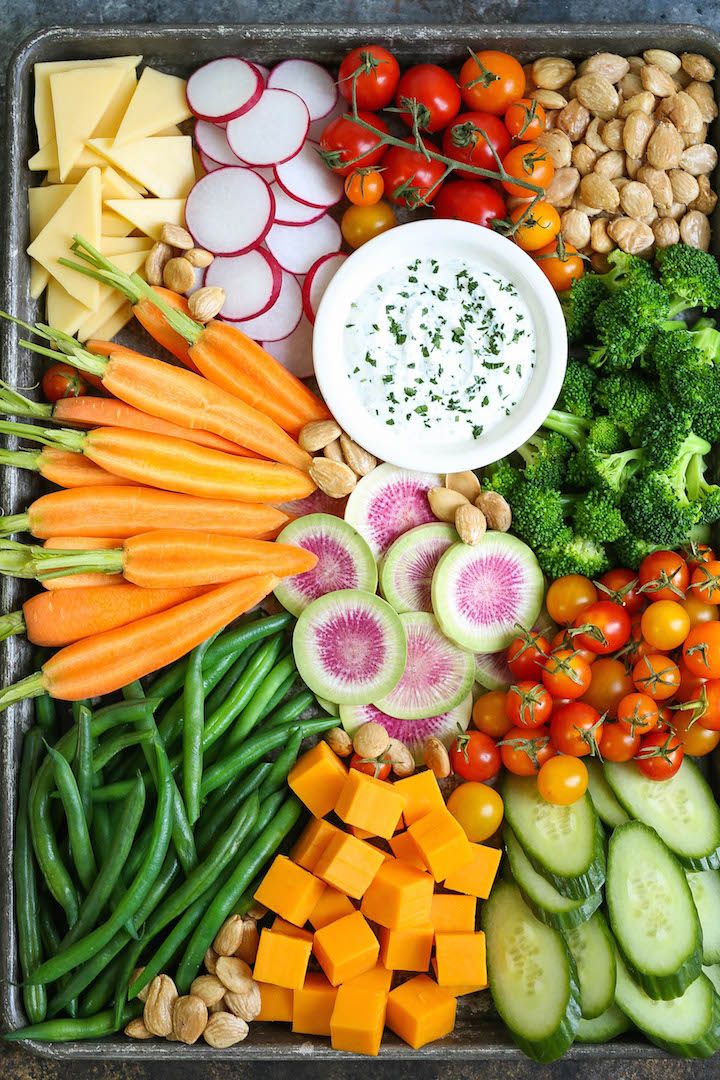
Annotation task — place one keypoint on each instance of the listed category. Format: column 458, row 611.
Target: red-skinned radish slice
column 289, row 211
column 295, row 351
column 230, row 211
column 305, row 178
column 223, row 89
column 262, row 71
column 318, row 126
column 272, row 131
column 212, row 143
column 309, row 81
column 281, row 319
column 296, row 248
column 317, row 280
column 251, row 283
column 208, row 164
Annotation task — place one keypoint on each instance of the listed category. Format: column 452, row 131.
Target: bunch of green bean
column 136, row 836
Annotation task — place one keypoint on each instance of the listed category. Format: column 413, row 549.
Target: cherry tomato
column 489, row 714
column 562, row 780
column 616, row 743
column 705, row 582
column 565, row 639
column 347, row 146
column 568, row 596
column 364, row 187
column 411, row 179
column 566, row 674
column 61, row 381
column 478, row 808
column 538, row 228
column 375, row 73
column 475, row 756
column 472, row 137
column 609, row 683
column 529, row 162
column 606, row 627
column 698, row 611
column 637, row 713
column 665, row 625
column 637, row 646
column 491, row 81
column 377, row 767
column 527, row 653
column 469, row 200
column 361, row 223
column 560, row 263
column 704, row 704
column 701, row 650
column 523, row 752
column 657, row 676
column 575, row 729
column 697, row 740
column 436, row 93
column 528, row 705
column 664, row 575
column 696, row 554
column 525, row 119
column 660, row 755
column 621, row 586
column 689, row 682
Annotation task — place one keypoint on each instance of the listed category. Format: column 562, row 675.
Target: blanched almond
column 636, row 199
column 444, row 503
column 630, row 85
column 695, row 230
column 178, row 275
column 496, row 509
column 335, row 478
column 698, row 67
column 436, row 758
column 642, row 102
column 666, row 232
column 685, row 113
column 612, row 134
column 597, row 94
column 611, row 165
column 549, row 99
column 339, row 741
column 659, row 183
column 552, row 72
column 668, row 61
column 157, row 1012
column 665, row 146
column 562, row 187
column 400, row 758
column 610, row 65
column 333, row 451
column 199, row 257
column 575, row 228
column 631, row 236
column 699, row 160
column 636, row 133
column 598, row 191
column 470, row 524
column 684, row 186
column 360, row 461
column 702, row 95
column 204, row 304
column 706, row 199
column 573, row 120
column 208, row 988
column 600, row 240
column 466, row 483
column 584, row 158
column 657, row 81
column 156, row 260
column 189, row 1018
column 594, row 134
column 370, row 740
column 558, row 145
column 233, row 973
column 225, row 1029
column 317, row 434
column 175, row 236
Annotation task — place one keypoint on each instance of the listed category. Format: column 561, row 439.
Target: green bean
column 193, row 725
column 80, row 847
column 92, row 1027
column 26, row 891
column 115, row 792
column 48, row 930
column 224, row 803
column 101, row 990
column 133, row 691
column 281, row 766
column 258, row 705
column 291, row 709
column 254, row 859
column 102, row 828
column 231, row 676
column 260, row 666
column 279, row 695
column 177, row 937
column 107, row 750
column 83, row 761
column 47, row 851
column 46, row 714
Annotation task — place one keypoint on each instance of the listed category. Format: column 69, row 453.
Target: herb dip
column 441, row 346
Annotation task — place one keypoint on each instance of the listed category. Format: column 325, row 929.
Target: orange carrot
column 152, row 319
column 56, row 619
column 105, row 662
column 65, row 468
column 82, row 543
column 127, row 511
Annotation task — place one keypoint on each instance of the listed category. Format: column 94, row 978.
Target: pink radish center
column 431, row 670
column 351, row 646
column 401, row 505
column 335, row 568
column 415, row 586
column 479, row 598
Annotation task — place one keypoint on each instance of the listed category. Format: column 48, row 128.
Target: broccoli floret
column 627, row 399
column 654, row 505
column 705, row 495
column 609, row 472
column 545, row 457
column 538, row 514
column 597, row 516
column 667, row 437
column 630, row 550
column 503, row 478
column 685, row 362
column 625, row 324
column 624, row 270
column 576, row 396
column 572, row 427
column 606, row 436
column 579, row 305
column 573, row 555
column 690, row 276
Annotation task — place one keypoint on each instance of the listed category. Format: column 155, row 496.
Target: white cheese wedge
column 164, row 165
column 63, row 311
column 79, row 213
column 149, row 215
column 123, row 245
column 158, row 102
column 114, row 325
column 114, row 225
column 80, row 99
column 43, row 109
column 115, row 186
column 42, row 204
column 112, row 117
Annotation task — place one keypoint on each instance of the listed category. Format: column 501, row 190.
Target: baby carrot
column 62, row 467
column 82, row 543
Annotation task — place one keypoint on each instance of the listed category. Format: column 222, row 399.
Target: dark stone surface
column 18, row 19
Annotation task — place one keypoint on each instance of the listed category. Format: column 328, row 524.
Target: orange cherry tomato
column 567, row 596
column 531, row 163
column 617, row 743
column 657, row 676
column 701, row 650
column 361, row 223
column 575, row 729
column 528, row 704
column 660, row 755
column 562, row 780
column 478, row 808
column 705, row 582
column 689, row 682
column 560, row 263
column 637, row 646
column 664, row 575
column 377, row 767
column 637, row 713
column 698, row 611
column 539, row 226
column 609, row 684
column 525, row 119
column 491, row 80
column 524, row 751
column 564, row 639
column 621, row 586
column 62, row 381
column 696, row 554
column 665, row 625
column 696, row 739
column 489, row 714
column 364, row 187
column 566, row 674
column 527, row 653
column 704, row 704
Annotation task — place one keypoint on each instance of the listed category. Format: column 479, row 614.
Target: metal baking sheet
column 478, row 1035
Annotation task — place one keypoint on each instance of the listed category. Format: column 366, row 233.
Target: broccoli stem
column 572, row 427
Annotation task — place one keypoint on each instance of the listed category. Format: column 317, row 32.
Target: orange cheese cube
column 421, row 793
column 362, row 834
column 452, row 914
column 281, row 926
column 476, row 877
column 400, row 895
column 461, row 959
column 317, row 779
column 348, row 864
column 282, row 960
column 459, row 991
column 420, row 1011
column 442, row 843
column 276, row 1002
column 346, row 948
column 331, row 906
column 289, row 891
column 369, row 804
column 358, row 1020
column 312, row 842
column 313, row 1005
column 377, row 980
column 406, row 949
column 405, row 848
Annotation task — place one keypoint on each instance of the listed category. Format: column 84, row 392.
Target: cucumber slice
column 705, row 888
column 603, row 1028
column 564, row 843
column 652, row 912
column 531, row 974
column 608, row 808
column 593, row 951
column 682, row 810
column 713, row 974
column 687, row 1025
column 543, row 899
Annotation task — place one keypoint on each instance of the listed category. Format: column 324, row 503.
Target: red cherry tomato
column 62, row 381
column 664, row 575
column 565, row 639
column 528, row 704
column 621, row 586
column 525, row 119
column 689, row 683
column 704, row 705
column 524, row 751
column 531, row 163
column 411, row 179
column 660, row 755
column 696, row 554
column 472, row 137
column 657, row 676
column 469, row 200
column 436, row 93
column 705, row 582
column 475, row 756
column 527, row 654
column 491, row 80
column 638, row 714
column 347, row 146
column 568, row 596
column 576, row 729
column 377, row 767
column 616, row 743
column 567, row 674
column 490, row 715
column 701, row 650
column 609, row 684
column 607, row 626
column 375, row 73
column 637, row 646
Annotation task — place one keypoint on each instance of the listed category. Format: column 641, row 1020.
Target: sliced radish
column 212, row 143
column 251, row 283
column 344, row 561
column 295, row 351
column 208, row 164
column 414, row 733
column 223, row 89
column 289, row 211
column 267, row 172
column 307, row 178
column 297, row 247
column 409, row 563
column 317, row 503
column 317, row 280
column 262, row 70
column 281, row 319
column 230, row 211
column 309, row 81
column 389, row 501
column 272, row 131
column 318, row 126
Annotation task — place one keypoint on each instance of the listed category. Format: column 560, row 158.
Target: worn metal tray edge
column 481, row 1038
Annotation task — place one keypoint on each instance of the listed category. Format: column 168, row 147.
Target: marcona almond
column 142, row 996
column 178, row 275
column 550, row 119
column 630, row 85
column 597, row 191
column 401, row 760
column 562, row 187
column 370, row 740
column 685, row 187
column 552, row 72
column 175, row 236
column 668, row 61
column 584, row 158
column 575, row 228
column 619, row 182
column 245, row 1005
column 659, row 184
column 210, row 960
column 695, row 138
column 665, row 146
column 695, row 230
column 335, row 478
column 698, row 160
column 677, row 210
column 136, row 1029
column 444, row 503
column 360, row 461
column 157, row 1013
column 496, row 510
column 706, row 199
column 657, row 81
column 598, row 95
column 666, row 232
column 636, row 199
column 257, row 911
column 612, row 134
column 333, row 451
column 199, row 257
column 642, row 102
column 189, row 1018
column 219, row 1006
column 229, row 936
column 205, row 303
column 610, row 165
column 317, row 434
column 224, row 1029
column 436, row 758
column 470, row 524
column 702, row 95
column 557, row 145
column 633, row 166
column 648, row 219
column 549, row 99
column 591, row 211
column 233, row 973
column 685, row 113
column 594, row 135
column 339, row 741
column 612, row 66
column 600, row 242
column 466, row 483
column 636, row 133
column 698, row 67
column 635, row 63
column 157, row 258
column 631, row 236
column 573, row 120
column 208, row 988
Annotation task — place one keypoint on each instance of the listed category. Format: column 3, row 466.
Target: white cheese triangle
column 43, row 109
column 149, row 215
column 164, row 165
column 79, row 213
column 80, row 99
column 158, row 102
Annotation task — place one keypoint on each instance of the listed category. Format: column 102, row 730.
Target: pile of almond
column 463, row 503
column 628, row 137
column 373, row 746
column 340, row 462
column 174, row 261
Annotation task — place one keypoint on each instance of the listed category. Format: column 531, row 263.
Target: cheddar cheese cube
column 377, row 980
column 361, row 834
column 358, row 1020
column 461, row 990
column 313, row 1005
column 420, row 1011
column 282, row 960
column 406, row 949
column 282, row 926
column 346, row 948
column 421, row 793
column 442, row 843
column 276, row 1002
column 331, row 906
column 476, row 877
column 312, row 842
column 452, row 914
column 461, row 959
column 404, row 848
column 289, row 891
column 400, row 895
column 317, row 779
column 370, row 804
column 348, row 864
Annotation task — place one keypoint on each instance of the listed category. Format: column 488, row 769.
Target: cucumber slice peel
column 688, row 1025
column 705, row 888
column 543, row 899
column 606, row 805
column 593, row 951
column 603, row 1028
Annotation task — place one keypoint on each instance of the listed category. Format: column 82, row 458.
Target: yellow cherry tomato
column 361, row 223
column 538, row 228
column 478, row 808
column 567, row 596
column 489, row 715
column 665, row 625
column 563, row 780
column 698, row 610
column 364, row 187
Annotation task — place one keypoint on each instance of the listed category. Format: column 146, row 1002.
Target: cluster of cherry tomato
column 490, row 89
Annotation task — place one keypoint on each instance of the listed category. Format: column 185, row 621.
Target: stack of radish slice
column 262, row 207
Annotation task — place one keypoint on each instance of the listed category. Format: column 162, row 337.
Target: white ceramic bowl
column 486, row 250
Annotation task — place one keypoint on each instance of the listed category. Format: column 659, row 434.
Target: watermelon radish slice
column 411, row 732
column 223, row 89
column 437, row 677
column 408, row 566
column 329, row 706
column 317, row 503
column 492, row 671
column 344, row 561
column 350, row 647
column 389, row 501
column 481, row 593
